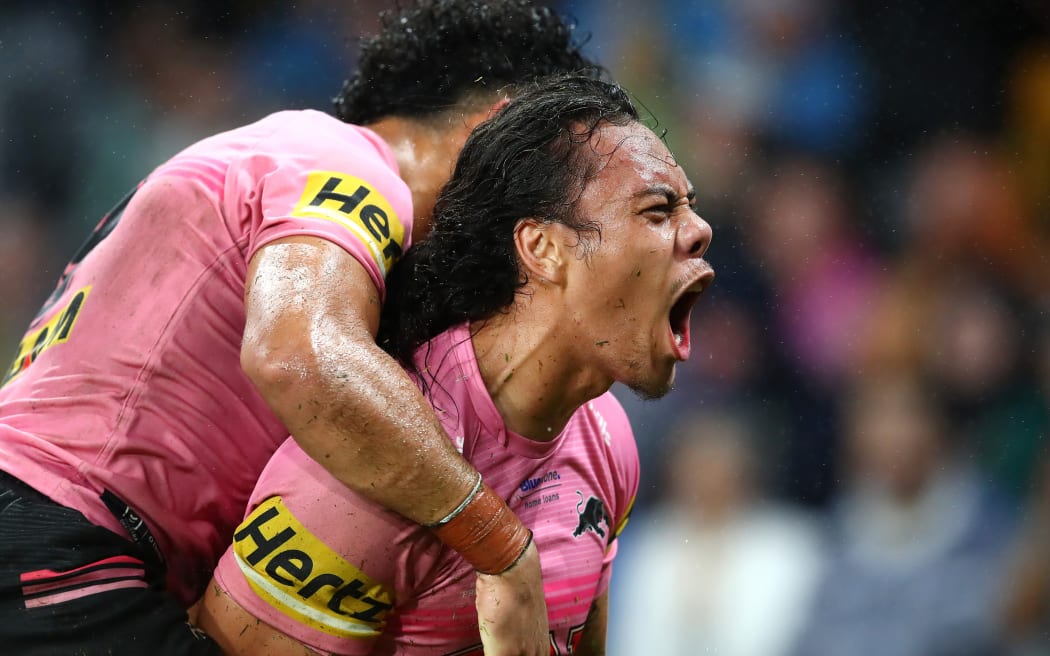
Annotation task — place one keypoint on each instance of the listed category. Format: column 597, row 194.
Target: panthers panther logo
column 592, row 517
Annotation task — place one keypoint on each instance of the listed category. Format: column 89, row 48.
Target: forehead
column 631, row 159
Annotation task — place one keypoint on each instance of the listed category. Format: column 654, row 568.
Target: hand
column 512, row 611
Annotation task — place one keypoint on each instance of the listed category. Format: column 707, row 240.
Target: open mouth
column 681, row 310
column 679, row 317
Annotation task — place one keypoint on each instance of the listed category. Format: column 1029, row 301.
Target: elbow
column 278, row 371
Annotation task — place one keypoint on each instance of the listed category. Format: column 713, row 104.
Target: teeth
column 678, row 339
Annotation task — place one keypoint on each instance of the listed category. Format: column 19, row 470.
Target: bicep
column 311, row 315
column 238, row 632
column 592, row 642
column 298, row 284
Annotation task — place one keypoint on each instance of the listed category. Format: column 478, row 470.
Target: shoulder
column 288, row 133
column 310, row 136
column 292, row 144
column 613, row 456
column 305, row 172
column 308, row 126
column 608, row 434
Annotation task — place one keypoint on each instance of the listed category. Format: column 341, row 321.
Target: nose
column 694, row 236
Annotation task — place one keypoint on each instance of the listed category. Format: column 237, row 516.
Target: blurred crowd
column 854, row 461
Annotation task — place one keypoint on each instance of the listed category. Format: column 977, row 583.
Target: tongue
column 680, row 342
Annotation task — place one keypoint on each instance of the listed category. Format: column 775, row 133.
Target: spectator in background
column 817, row 274
column 820, row 272
column 1026, row 611
column 965, row 206
column 779, row 66
column 290, row 38
column 24, row 253
column 1027, row 129
column 917, row 540
column 721, row 570
column 957, row 296
column 972, row 349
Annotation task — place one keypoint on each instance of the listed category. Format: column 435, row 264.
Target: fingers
column 512, row 611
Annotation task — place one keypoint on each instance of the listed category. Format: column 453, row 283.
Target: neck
column 423, row 154
column 531, row 373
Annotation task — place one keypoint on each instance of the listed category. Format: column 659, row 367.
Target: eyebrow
column 665, row 190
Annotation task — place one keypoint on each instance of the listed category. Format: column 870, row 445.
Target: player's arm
column 592, row 642
column 238, row 632
column 309, row 347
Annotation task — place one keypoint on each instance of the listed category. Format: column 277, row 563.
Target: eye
column 658, row 213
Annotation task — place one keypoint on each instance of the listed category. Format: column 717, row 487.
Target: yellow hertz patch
column 623, row 522
column 303, row 578
column 357, row 206
column 53, row 332
column 627, row 517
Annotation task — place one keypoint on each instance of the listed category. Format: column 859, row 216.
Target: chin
column 655, row 387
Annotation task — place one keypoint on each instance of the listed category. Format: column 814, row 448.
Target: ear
column 541, row 254
column 497, row 106
column 483, row 113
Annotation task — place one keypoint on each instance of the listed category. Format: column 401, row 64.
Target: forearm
column 592, row 642
column 368, row 424
column 238, row 632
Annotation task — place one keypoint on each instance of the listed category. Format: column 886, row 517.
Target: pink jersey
column 345, row 576
column 130, row 379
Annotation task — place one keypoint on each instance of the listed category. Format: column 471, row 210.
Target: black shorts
column 71, row 588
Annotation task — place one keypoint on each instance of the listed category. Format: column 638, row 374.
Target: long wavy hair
column 531, row 161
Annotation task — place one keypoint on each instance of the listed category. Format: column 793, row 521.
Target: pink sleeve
column 626, row 470
column 329, row 182
column 319, row 563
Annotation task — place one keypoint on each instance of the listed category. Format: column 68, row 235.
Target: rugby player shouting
column 566, row 255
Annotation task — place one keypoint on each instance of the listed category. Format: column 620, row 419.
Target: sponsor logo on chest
column 539, row 490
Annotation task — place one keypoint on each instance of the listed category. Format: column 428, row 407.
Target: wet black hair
column 432, row 54
column 530, row 161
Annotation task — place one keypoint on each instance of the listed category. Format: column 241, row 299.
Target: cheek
column 639, row 279
column 628, row 308
column 627, row 273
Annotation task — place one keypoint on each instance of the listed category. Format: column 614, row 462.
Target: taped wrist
column 484, row 531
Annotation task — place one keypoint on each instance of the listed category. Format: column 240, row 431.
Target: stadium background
column 854, row 460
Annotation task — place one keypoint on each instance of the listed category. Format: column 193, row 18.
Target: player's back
column 130, row 379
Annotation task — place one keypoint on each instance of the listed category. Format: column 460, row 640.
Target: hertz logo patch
column 296, row 573
column 53, row 332
column 357, row 206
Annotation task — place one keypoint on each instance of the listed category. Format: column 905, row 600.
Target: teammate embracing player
column 566, row 255
column 230, row 300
